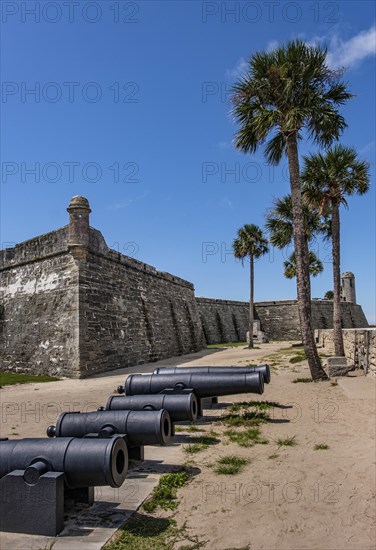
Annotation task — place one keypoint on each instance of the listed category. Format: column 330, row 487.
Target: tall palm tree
column 287, row 93
column 250, row 242
column 327, row 180
column 315, row 265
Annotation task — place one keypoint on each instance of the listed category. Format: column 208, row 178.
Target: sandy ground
column 302, row 499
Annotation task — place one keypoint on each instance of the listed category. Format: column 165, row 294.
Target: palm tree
column 286, row 92
column 315, row 265
column 251, row 242
column 327, row 180
column 279, row 222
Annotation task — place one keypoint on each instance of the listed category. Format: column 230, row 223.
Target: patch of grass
column 200, row 444
column 248, row 418
column 191, row 429
column 230, row 465
column 302, row 380
column 227, row 345
column 194, row 429
column 246, row 438
column 334, row 383
column 261, row 405
column 287, row 442
column 164, row 494
column 10, row 378
column 179, row 429
column 298, row 358
column 142, row 532
column 273, row 456
column 273, row 357
column 321, row 447
column 291, row 350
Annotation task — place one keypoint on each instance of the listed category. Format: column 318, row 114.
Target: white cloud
column 239, row 69
column 128, row 202
column 353, row 51
column 341, row 53
column 348, row 53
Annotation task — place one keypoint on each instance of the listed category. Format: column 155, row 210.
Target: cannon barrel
column 204, row 385
column 181, row 407
column 84, row 462
column 139, row 427
column 264, row 369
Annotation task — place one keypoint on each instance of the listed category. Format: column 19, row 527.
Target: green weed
column 164, row 494
column 230, row 465
column 287, row 442
column 321, row 447
column 9, row 378
column 246, row 438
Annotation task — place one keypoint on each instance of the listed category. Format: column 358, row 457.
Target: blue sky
column 130, row 108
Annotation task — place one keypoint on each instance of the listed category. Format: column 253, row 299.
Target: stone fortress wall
column 70, row 306
column 227, row 321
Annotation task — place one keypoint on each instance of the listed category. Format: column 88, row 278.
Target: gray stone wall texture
column 39, row 322
column 130, row 313
column 77, row 317
column 227, row 321
column 359, row 344
column 70, row 306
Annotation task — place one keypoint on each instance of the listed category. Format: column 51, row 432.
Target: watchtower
column 348, row 287
column 79, row 227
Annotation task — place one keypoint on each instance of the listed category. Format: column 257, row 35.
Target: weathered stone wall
column 223, row 320
column 130, row 313
column 227, row 321
column 359, row 344
column 39, row 307
column 83, row 310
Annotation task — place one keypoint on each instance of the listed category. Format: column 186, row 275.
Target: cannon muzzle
column 139, row 427
column 264, row 369
column 204, row 385
column 181, row 407
column 84, row 462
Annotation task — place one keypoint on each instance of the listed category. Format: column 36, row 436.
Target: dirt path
column 300, row 499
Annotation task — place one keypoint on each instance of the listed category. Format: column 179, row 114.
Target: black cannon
column 264, row 369
column 37, row 475
column 138, row 427
column 204, row 385
column 181, row 407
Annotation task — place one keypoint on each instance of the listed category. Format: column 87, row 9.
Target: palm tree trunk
column 251, row 300
column 337, row 325
column 302, row 262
